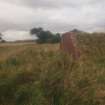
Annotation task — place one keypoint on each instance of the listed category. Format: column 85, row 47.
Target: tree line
column 45, row 36
column 1, row 39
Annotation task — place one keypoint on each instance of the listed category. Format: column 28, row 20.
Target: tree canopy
column 45, row 36
column 0, row 36
column 1, row 39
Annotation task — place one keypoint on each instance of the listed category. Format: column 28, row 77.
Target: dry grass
column 34, row 74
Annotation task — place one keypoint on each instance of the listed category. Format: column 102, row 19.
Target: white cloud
column 14, row 35
column 55, row 15
column 13, row 13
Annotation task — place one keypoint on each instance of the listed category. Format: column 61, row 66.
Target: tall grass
column 43, row 75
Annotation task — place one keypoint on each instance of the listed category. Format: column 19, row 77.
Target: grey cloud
column 55, row 3
column 55, row 15
column 44, row 3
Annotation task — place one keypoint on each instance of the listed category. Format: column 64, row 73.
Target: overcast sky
column 54, row 15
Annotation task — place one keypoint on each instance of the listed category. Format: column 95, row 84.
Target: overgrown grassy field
column 35, row 74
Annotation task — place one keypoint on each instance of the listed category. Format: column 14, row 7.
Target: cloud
column 55, row 15
column 14, row 35
column 56, row 3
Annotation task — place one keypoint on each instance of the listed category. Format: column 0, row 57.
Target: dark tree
column 45, row 36
column 36, row 31
column 56, row 38
column 0, row 36
column 77, row 31
column 1, row 39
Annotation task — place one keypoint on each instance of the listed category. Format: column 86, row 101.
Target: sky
column 16, row 35
column 54, row 15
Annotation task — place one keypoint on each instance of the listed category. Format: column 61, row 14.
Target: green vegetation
column 45, row 36
column 43, row 75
